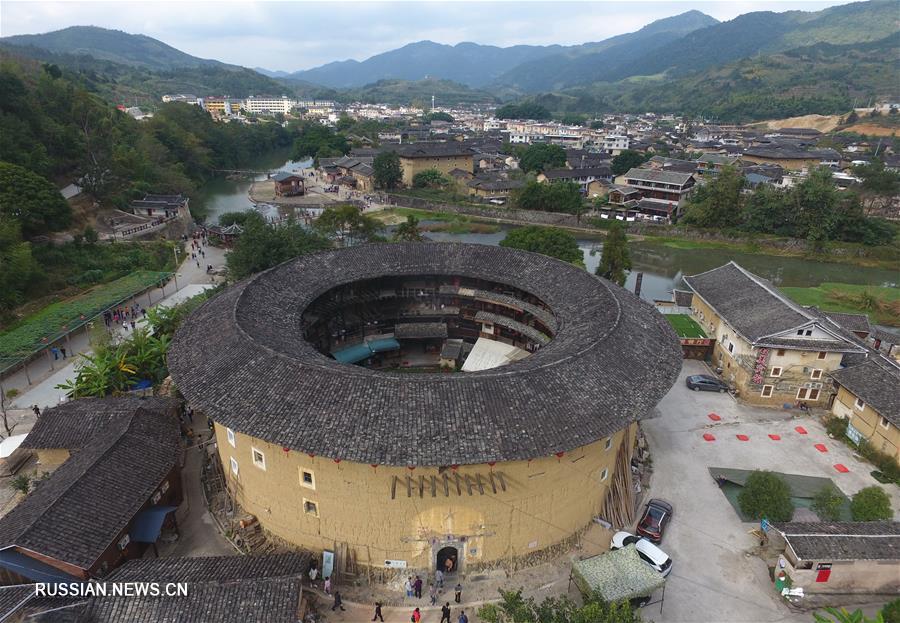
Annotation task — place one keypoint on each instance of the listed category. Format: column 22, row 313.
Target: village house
column 868, row 395
column 288, row 184
column 592, row 181
column 711, row 163
column 443, row 157
column 493, row 188
column 662, row 193
column 161, row 206
column 840, row 557
column 773, row 351
column 108, row 501
column 355, row 172
column 792, row 158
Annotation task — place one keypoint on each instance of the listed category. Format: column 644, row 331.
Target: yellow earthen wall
column 547, row 500
column 411, row 166
column 868, row 422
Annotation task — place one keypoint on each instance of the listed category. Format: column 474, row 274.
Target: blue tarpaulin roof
column 360, row 352
column 34, row 570
column 148, row 523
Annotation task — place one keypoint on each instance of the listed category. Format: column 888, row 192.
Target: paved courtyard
column 714, row 577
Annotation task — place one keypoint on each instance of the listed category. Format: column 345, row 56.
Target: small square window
column 259, row 459
column 885, row 423
column 604, row 474
column 813, row 394
column 860, row 404
column 816, row 374
column 781, row 352
column 730, row 347
column 800, row 332
column 310, row 507
column 767, row 391
column 230, row 434
column 307, row 479
column 234, row 466
column 822, row 354
column 776, row 371
column 808, row 332
column 608, row 443
column 801, row 393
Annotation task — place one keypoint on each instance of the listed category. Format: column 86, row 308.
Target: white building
column 268, row 105
column 615, row 143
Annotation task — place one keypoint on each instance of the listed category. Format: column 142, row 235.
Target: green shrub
column 891, row 611
column 836, row 426
column 766, row 495
column 885, row 463
column 871, row 504
column 827, row 503
column 21, row 483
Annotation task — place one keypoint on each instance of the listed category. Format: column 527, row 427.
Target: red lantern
column 454, row 467
column 560, row 455
column 286, row 449
column 337, row 460
column 374, row 465
column 491, row 464
column 410, row 467
column 311, row 455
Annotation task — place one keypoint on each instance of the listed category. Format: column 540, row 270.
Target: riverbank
column 884, row 257
column 881, row 304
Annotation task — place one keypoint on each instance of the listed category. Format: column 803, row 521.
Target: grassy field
column 882, row 304
column 684, row 325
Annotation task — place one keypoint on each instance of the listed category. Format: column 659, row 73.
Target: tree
column 315, row 140
column 553, row 197
column 871, row 504
column 263, row 245
column 766, row 494
column 542, row 156
column 766, row 210
column 430, row 178
column 347, row 225
column 814, row 201
column 513, row 608
column 387, row 170
column 90, row 235
column 408, row 231
column 525, row 110
column 439, row 116
column 717, row 203
column 852, row 117
column 18, row 268
column 547, row 241
column 827, row 503
column 596, row 124
column 615, row 259
column 627, row 160
column 32, row 201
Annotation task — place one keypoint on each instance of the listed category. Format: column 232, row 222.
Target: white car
column 648, row 552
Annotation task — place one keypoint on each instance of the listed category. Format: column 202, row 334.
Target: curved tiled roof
column 242, row 359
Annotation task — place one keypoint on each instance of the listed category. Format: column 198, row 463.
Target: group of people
column 198, row 241
column 126, row 314
column 417, row 614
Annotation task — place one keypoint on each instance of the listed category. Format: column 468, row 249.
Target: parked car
column 706, row 383
column 648, row 552
column 657, row 514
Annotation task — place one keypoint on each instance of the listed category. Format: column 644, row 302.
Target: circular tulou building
column 416, row 403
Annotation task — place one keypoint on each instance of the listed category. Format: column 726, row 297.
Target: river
column 662, row 266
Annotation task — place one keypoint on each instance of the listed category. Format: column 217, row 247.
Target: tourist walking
column 328, row 585
column 338, row 602
column 439, row 578
column 409, row 587
column 458, row 591
column 463, row 618
column 378, row 612
column 416, row 616
column 432, row 592
column 418, row 586
column 445, row 612
column 55, row 352
column 37, row 411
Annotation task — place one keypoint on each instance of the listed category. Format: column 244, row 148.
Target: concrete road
column 714, row 578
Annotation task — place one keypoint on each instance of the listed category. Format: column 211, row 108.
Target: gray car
column 706, row 383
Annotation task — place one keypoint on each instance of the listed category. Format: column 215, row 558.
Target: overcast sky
column 294, row 35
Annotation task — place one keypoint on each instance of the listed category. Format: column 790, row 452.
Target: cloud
column 291, row 36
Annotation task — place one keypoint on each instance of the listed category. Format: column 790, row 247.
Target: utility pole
column 432, row 102
column 175, row 272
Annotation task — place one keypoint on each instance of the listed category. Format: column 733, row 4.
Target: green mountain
column 592, row 62
column 111, row 45
column 822, row 78
column 446, row 92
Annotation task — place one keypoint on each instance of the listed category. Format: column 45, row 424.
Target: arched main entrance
column 447, row 559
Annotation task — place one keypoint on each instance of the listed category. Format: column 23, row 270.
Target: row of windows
column 804, row 393
column 310, row 507
column 307, row 477
column 814, row 375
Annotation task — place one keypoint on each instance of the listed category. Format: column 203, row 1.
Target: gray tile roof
column 877, row 382
column 275, row 600
column 73, row 424
column 81, row 508
column 662, row 177
column 756, row 310
column 861, row 540
column 509, row 323
column 850, row 322
column 434, row 150
column 413, row 330
column 242, row 360
column 212, row 568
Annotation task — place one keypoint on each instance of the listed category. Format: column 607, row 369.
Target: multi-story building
column 868, row 395
column 663, row 193
column 770, row 349
column 220, row 106
column 615, row 143
column 418, row 157
column 268, row 105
